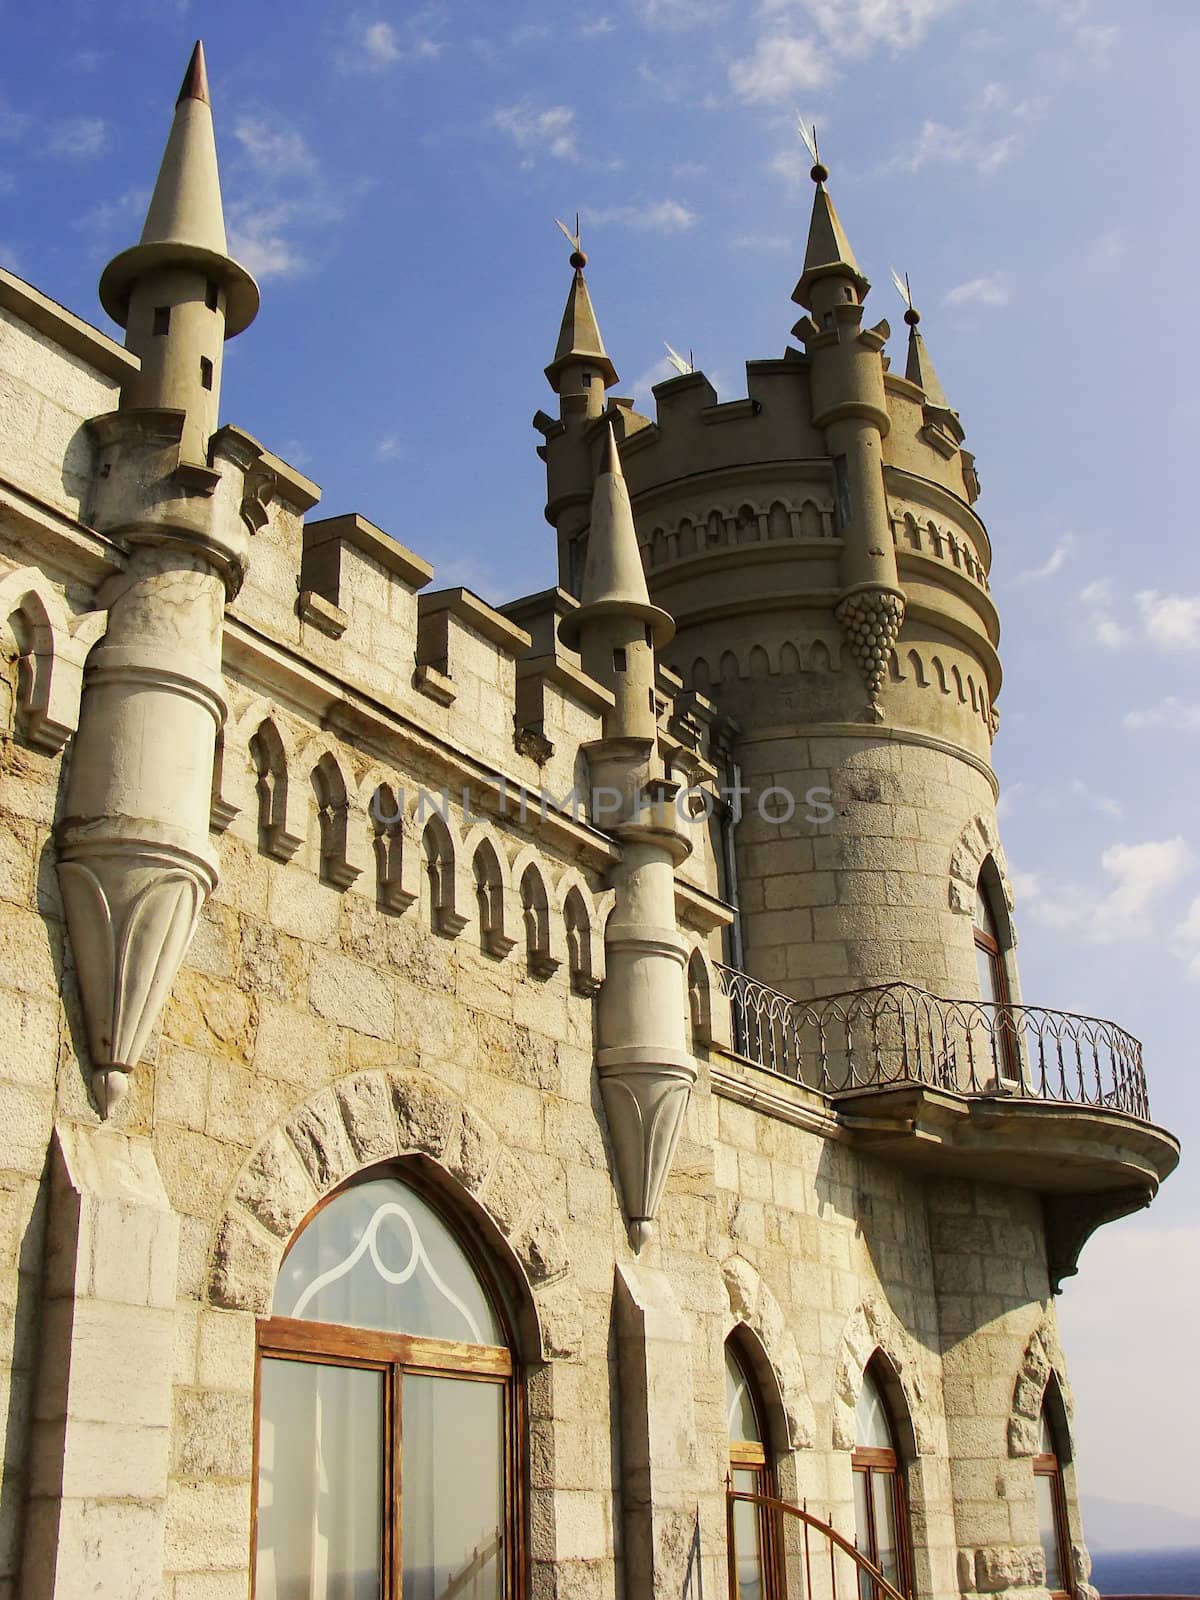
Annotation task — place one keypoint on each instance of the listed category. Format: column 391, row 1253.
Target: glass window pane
column 741, row 1421
column 747, row 1537
column 320, row 1482
column 870, row 1417
column 452, row 1488
column 862, row 1532
column 377, row 1256
column 989, row 988
column 1043, row 1495
column 883, row 1494
column 1046, row 1446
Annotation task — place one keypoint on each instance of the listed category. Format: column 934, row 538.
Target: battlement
column 336, row 648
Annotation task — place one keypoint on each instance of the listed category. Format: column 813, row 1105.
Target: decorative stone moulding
column 871, row 616
column 132, row 903
column 644, row 1102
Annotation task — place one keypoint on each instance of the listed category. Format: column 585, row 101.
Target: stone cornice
column 359, row 718
column 898, row 480
column 69, row 332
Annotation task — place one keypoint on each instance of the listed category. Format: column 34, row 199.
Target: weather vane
column 808, row 132
column 681, row 366
column 578, row 259
column 904, row 289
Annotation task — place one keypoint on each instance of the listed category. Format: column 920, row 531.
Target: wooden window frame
column 395, row 1355
column 1009, row 1062
column 749, row 1455
column 1046, row 1465
column 875, row 1463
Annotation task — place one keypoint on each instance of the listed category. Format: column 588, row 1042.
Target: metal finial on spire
column 578, row 259
column 195, row 79
column 808, row 132
column 904, row 289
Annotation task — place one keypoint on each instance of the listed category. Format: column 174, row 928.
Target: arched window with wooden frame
column 754, row 1555
column 880, row 1502
column 1050, row 1495
column 387, row 1410
column 992, row 941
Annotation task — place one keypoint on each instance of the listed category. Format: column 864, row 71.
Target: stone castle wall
column 360, row 991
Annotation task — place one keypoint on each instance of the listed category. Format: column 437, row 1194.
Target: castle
column 533, row 1100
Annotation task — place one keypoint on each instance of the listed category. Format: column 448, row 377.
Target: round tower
column 177, row 292
column 817, row 547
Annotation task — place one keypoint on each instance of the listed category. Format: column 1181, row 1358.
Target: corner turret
column 581, row 371
column 177, row 292
column 616, row 629
column 850, row 407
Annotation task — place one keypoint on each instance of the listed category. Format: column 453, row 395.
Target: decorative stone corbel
column 645, row 1069
column 871, row 616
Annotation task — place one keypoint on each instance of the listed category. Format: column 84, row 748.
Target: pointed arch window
column 994, row 988
column 753, row 1556
column 385, row 1448
column 1050, row 1500
column 880, row 1507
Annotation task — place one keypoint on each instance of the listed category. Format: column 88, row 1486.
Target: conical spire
column 614, row 581
column 828, row 253
column 185, row 224
column 579, row 335
column 920, row 368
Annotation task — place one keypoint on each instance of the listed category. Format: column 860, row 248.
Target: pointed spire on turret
column 614, row 580
column 940, row 415
column 185, row 224
column 828, row 253
column 581, row 363
column 919, row 369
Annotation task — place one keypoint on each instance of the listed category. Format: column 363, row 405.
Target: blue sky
column 391, row 173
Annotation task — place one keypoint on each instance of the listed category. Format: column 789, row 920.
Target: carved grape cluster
column 870, row 620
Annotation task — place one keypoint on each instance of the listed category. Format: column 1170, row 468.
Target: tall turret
column 136, row 860
column 645, row 1068
column 580, row 374
column 816, row 546
column 178, row 293
column 850, row 409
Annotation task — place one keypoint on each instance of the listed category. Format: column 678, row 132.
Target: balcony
column 1009, row 1094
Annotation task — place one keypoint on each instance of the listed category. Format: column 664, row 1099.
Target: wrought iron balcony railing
column 897, row 1034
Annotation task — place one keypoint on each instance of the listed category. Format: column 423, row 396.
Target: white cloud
column 1169, row 713
column 680, row 14
column 377, row 45
column 1129, row 1317
column 9, row 258
column 987, row 290
column 549, row 131
column 1054, row 562
column 79, row 138
column 1171, row 621
column 597, row 26
column 645, row 381
column 860, row 25
column 1126, row 903
column 760, row 241
column 1096, row 599
column 939, row 143
column 1025, row 885
column 652, row 216
column 259, row 240
column 780, row 65
column 108, row 215
column 390, row 448
column 791, row 164
column 274, row 148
